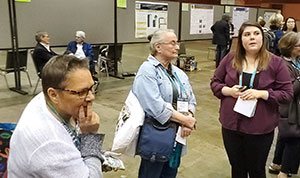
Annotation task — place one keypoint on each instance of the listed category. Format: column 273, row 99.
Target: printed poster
column 239, row 16
column 150, row 16
column 202, row 17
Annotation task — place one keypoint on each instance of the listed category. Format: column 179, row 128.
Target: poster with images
column 150, row 16
column 202, row 17
column 239, row 16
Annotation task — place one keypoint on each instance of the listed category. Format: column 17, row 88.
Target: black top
column 246, row 80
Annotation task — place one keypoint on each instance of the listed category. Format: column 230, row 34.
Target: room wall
column 62, row 18
column 292, row 10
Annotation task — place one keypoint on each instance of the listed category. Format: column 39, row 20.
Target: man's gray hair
column 157, row 37
column 80, row 34
column 226, row 17
column 39, row 35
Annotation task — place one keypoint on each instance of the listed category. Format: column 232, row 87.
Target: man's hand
column 88, row 121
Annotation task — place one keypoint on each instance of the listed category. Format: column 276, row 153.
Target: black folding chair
column 10, row 65
column 38, row 73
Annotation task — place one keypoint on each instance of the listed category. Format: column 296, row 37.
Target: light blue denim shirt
column 154, row 90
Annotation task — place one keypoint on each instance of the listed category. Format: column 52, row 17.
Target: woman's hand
column 88, row 120
column 185, row 131
column 234, row 91
column 106, row 168
column 185, row 120
column 252, row 94
column 189, row 122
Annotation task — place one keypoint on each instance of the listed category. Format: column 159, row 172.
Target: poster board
column 239, row 16
column 150, row 16
column 202, row 17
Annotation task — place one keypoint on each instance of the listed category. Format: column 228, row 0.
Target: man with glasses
column 56, row 135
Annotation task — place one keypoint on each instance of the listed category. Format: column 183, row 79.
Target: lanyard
column 295, row 63
column 172, row 80
column 181, row 85
column 67, row 126
column 252, row 76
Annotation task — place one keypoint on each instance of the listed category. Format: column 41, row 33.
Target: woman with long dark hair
column 250, row 77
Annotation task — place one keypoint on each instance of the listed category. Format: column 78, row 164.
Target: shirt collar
column 47, row 46
column 155, row 62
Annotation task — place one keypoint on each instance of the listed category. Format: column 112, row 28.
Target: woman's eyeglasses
column 173, row 43
column 83, row 93
column 297, row 46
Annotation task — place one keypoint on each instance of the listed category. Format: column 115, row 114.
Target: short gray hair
column 55, row 72
column 157, row 37
column 226, row 17
column 39, row 35
column 80, row 34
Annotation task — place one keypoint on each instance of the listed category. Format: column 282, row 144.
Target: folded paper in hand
column 245, row 107
column 131, row 118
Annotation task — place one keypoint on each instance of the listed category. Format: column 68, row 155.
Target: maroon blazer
column 275, row 79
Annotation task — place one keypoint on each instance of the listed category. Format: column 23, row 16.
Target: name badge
column 182, row 106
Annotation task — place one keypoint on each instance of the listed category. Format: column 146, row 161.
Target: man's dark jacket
column 41, row 56
column 220, row 32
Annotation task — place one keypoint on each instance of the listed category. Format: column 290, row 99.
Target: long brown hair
column 263, row 55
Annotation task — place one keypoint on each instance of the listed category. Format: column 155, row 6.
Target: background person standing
column 287, row 156
column 221, row 37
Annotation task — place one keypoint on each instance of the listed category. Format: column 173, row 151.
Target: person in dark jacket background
column 82, row 49
column 221, row 37
column 42, row 51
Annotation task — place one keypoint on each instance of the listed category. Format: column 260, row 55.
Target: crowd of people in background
column 57, row 134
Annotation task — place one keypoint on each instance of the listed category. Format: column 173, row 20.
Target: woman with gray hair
column 167, row 99
column 287, row 156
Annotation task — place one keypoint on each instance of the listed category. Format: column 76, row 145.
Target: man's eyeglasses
column 173, row 43
column 83, row 93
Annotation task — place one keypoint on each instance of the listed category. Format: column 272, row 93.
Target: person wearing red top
column 252, row 73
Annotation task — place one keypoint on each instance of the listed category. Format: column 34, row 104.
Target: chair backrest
column 103, row 50
column 96, row 52
column 10, row 62
column 181, row 50
column 111, row 51
column 35, row 65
